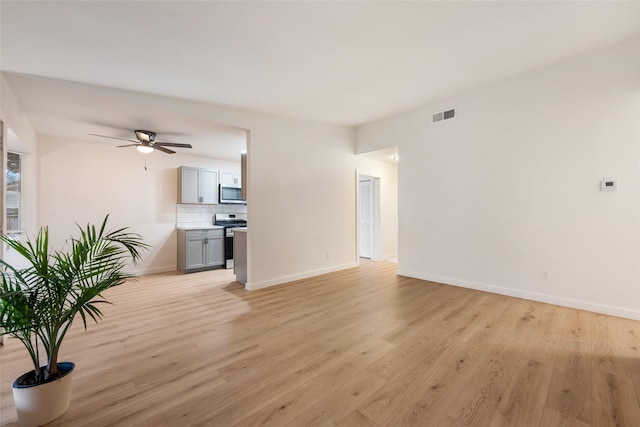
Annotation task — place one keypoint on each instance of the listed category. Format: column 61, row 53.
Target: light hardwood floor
column 362, row 347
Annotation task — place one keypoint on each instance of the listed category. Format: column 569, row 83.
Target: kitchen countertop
column 199, row 227
column 240, row 229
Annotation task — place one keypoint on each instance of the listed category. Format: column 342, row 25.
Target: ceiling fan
column 146, row 142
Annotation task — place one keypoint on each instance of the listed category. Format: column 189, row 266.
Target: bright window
column 13, row 192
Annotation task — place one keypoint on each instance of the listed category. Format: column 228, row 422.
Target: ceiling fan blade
column 164, row 150
column 113, row 137
column 172, row 144
column 160, row 146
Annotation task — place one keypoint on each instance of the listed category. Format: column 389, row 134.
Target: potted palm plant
column 39, row 303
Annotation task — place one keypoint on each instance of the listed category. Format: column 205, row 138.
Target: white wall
column 301, row 198
column 13, row 117
column 301, row 191
column 80, row 182
column 300, row 180
column 509, row 188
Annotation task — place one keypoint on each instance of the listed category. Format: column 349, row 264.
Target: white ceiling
column 386, row 155
column 335, row 61
column 75, row 110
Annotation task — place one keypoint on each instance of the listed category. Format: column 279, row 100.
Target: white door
column 366, row 219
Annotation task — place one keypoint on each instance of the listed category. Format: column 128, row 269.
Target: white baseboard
column 534, row 296
column 390, row 258
column 286, row 279
column 143, row 271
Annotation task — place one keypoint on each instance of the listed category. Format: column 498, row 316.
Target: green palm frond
column 38, row 304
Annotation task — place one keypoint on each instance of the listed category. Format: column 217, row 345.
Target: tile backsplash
column 202, row 215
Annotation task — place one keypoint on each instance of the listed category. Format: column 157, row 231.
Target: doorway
column 369, row 217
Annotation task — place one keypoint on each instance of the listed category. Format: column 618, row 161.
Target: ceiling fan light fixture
column 146, row 142
column 145, row 135
column 144, row 149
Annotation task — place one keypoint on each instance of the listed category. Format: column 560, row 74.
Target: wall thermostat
column 608, row 184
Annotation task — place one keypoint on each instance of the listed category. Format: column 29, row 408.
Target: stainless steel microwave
column 231, row 194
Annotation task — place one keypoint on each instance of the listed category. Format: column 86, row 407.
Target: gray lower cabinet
column 200, row 249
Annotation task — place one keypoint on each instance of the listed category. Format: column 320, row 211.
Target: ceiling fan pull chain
column 145, row 162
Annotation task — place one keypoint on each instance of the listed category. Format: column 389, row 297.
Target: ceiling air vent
column 444, row 115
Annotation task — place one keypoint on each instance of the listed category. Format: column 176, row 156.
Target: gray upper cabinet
column 230, row 178
column 197, row 185
column 209, row 186
column 188, row 185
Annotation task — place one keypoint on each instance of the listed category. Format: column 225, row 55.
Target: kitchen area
column 211, row 220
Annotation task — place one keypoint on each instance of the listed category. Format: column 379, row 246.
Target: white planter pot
column 39, row 404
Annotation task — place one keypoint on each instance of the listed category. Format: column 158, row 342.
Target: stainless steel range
column 229, row 222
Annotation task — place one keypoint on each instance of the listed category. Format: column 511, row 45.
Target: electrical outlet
column 545, row 275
